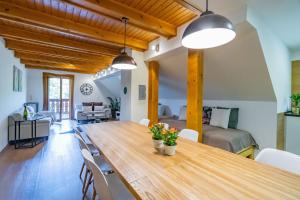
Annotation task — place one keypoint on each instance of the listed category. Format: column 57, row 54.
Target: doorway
column 58, row 95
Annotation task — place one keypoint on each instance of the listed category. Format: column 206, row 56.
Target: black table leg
column 19, row 133
column 34, row 132
column 15, row 135
column 31, row 133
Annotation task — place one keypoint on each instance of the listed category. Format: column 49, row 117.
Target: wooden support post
column 195, row 91
column 153, row 83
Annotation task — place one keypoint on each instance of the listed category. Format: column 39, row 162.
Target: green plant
column 295, row 99
column 114, row 104
column 156, row 131
column 170, row 136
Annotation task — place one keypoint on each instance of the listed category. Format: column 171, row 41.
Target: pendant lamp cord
column 124, row 19
column 206, row 5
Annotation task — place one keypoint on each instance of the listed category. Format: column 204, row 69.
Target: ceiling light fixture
column 123, row 60
column 209, row 30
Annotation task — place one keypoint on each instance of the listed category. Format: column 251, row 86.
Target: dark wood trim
column 46, row 76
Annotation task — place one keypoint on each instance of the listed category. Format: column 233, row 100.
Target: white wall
column 277, row 57
column 295, row 55
column 9, row 101
column 257, row 117
column 35, row 87
column 131, row 107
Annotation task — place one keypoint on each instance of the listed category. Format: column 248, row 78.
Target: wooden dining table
column 196, row 171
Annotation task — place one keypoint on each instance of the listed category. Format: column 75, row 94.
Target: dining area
column 121, row 161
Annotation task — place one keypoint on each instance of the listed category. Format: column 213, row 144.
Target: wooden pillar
column 195, row 91
column 153, row 84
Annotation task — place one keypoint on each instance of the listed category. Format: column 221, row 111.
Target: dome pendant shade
column 123, row 61
column 209, row 30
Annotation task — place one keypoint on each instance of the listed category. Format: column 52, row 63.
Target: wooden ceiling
column 85, row 35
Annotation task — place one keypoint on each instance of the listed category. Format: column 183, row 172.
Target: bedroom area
column 239, row 114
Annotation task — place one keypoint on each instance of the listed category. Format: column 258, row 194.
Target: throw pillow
column 87, row 104
column 98, row 108
column 220, row 117
column 87, row 108
column 233, row 118
column 182, row 113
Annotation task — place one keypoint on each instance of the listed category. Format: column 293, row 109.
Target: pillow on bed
column 220, row 117
column 233, row 118
column 182, row 113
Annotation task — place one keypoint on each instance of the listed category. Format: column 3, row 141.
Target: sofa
column 42, row 126
column 89, row 111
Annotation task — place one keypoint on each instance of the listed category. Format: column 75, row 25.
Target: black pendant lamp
column 123, row 60
column 209, row 30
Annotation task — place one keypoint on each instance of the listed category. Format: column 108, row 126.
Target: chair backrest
column 280, row 159
column 144, row 122
column 189, row 134
column 82, row 143
column 100, row 182
column 166, row 126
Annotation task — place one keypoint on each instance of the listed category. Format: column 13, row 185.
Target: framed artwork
column 17, row 79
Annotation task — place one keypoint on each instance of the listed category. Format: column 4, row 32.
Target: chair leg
column 87, row 185
column 85, row 177
column 81, row 171
column 94, row 194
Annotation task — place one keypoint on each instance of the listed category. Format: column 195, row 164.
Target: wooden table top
column 197, row 171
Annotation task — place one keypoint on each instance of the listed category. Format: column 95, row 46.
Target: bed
column 233, row 140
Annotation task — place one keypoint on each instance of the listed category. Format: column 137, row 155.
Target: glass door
column 59, row 97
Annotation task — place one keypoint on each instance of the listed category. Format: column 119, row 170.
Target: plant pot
column 294, row 110
column 158, row 145
column 297, row 111
column 170, row 150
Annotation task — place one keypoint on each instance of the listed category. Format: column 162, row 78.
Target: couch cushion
column 99, row 108
column 87, row 108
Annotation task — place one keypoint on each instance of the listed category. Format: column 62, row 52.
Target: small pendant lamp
column 209, row 30
column 123, row 60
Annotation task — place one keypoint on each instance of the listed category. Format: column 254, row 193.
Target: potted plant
column 157, row 136
column 170, row 136
column 295, row 103
column 114, row 106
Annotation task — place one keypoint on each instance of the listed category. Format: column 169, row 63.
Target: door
column 58, row 95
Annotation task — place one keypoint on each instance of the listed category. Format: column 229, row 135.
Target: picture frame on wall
column 17, row 79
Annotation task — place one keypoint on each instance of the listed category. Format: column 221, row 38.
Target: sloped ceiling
column 236, row 71
column 283, row 17
column 111, row 84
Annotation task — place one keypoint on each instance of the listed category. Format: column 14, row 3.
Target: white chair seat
column 280, row 159
column 101, row 162
column 144, row 122
column 118, row 189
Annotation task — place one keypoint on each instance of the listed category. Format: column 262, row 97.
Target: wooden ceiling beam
column 45, row 58
column 186, row 4
column 44, row 50
column 17, row 34
column 64, row 65
column 59, row 69
column 115, row 10
column 42, row 20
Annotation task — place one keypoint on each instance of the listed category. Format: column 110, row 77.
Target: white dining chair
column 144, row 122
column 98, row 159
column 280, row 159
column 189, row 134
column 166, row 126
column 106, row 186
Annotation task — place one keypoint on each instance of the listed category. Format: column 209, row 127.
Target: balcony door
column 58, row 95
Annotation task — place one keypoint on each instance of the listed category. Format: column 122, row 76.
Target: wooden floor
column 48, row 171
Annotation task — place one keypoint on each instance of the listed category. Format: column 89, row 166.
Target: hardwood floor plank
column 48, row 171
